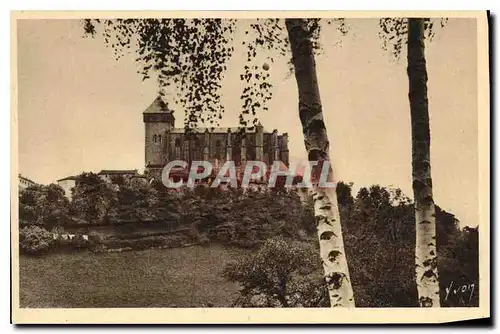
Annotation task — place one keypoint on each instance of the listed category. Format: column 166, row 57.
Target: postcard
column 250, row 167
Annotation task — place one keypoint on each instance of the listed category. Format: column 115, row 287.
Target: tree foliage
column 380, row 242
column 45, row 206
column 394, row 32
column 378, row 223
column 245, row 218
column 189, row 58
column 280, row 274
column 93, row 198
column 135, row 202
column 34, row 240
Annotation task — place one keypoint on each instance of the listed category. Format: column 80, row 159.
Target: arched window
column 159, row 138
column 154, row 138
column 177, row 142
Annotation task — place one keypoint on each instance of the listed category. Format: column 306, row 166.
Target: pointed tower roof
column 158, row 107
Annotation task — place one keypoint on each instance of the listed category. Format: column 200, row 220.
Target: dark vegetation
column 278, row 262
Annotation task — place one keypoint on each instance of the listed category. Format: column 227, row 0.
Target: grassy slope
column 180, row 277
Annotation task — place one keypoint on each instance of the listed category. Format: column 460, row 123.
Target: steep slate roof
column 158, row 107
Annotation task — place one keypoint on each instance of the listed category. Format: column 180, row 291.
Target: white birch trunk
column 317, row 145
column 425, row 246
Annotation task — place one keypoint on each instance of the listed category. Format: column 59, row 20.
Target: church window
column 159, row 138
column 177, row 142
column 154, row 138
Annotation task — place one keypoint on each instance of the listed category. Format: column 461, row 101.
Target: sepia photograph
column 250, row 167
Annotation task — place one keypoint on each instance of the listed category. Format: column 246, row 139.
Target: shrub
column 35, row 240
column 279, row 274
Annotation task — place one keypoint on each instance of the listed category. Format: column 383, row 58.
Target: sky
column 81, row 110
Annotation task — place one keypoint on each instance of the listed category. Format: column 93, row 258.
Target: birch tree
column 326, row 209
column 413, row 31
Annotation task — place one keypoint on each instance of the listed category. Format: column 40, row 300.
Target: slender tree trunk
column 317, row 145
column 425, row 246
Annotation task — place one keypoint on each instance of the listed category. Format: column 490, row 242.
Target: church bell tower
column 158, row 120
